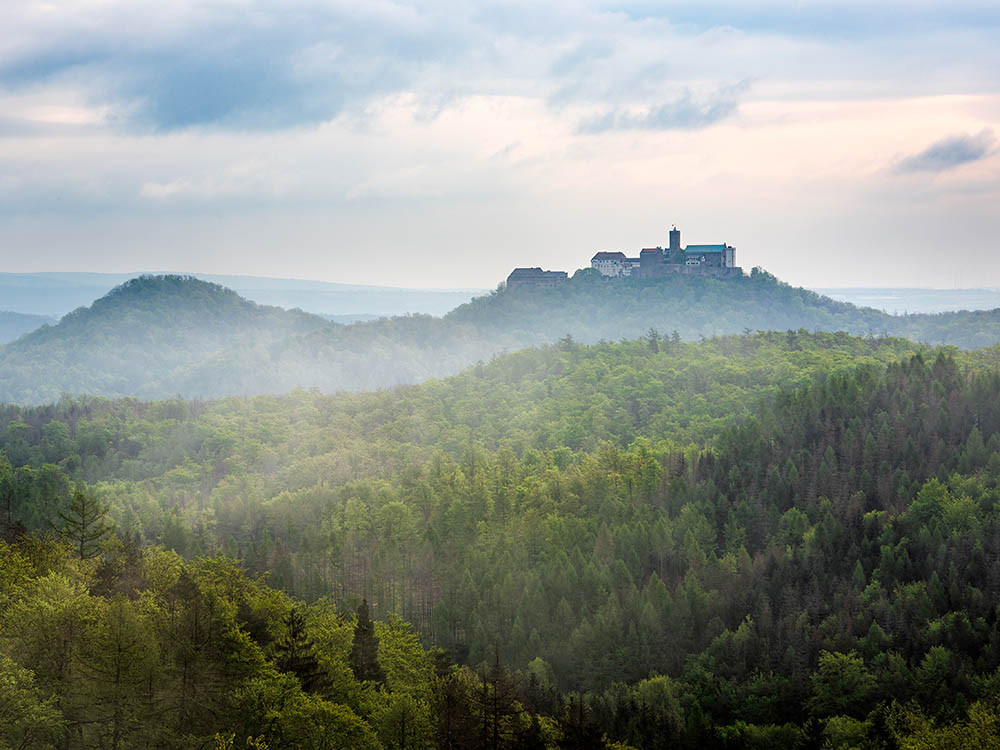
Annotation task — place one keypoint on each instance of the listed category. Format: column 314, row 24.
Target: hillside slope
column 162, row 336
column 137, row 338
column 396, row 351
column 14, row 325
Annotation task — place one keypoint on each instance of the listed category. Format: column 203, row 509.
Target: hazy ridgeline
column 765, row 540
column 157, row 337
column 14, row 325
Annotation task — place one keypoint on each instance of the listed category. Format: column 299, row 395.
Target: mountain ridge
column 134, row 339
column 13, row 325
column 159, row 336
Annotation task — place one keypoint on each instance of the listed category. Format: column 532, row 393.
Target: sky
column 442, row 143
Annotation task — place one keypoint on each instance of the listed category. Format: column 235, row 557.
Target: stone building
column 712, row 256
column 614, row 264
column 655, row 262
column 535, row 277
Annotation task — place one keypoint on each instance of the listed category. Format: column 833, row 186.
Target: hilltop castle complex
column 653, row 262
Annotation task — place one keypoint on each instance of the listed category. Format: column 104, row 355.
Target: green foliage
column 296, row 654
column 756, row 540
column 845, row 733
column 141, row 339
column 84, row 523
column 761, row 737
column 28, row 720
column 842, row 685
column 914, row 731
column 364, row 649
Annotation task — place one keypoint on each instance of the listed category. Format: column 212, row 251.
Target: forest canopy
column 763, row 540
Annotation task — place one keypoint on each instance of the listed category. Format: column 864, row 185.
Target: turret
column 675, row 241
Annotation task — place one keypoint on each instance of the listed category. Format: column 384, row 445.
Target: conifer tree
column 84, row 523
column 296, row 654
column 364, row 651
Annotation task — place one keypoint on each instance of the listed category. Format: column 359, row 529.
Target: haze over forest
column 158, row 336
column 357, row 394
column 618, row 537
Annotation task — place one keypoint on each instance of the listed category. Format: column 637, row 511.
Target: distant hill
column 903, row 300
column 14, row 325
column 162, row 336
column 389, row 352
column 137, row 339
column 57, row 293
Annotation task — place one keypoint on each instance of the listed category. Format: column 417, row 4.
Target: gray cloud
column 949, row 153
column 683, row 113
column 271, row 66
column 267, row 65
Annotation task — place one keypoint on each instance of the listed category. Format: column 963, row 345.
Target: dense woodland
column 157, row 337
column 780, row 540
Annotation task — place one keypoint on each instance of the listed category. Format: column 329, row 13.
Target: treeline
column 132, row 647
column 156, row 337
column 113, row 645
column 821, row 566
column 565, row 396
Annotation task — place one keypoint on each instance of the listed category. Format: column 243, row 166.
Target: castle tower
column 675, row 241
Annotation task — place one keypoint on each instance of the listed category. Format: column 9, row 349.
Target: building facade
column 654, row 262
column 535, row 277
column 614, row 264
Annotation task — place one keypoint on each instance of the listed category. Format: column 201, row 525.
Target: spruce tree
column 364, row 651
column 84, row 523
column 296, row 654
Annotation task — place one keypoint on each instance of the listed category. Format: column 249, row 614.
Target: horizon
column 347, row 286
column 441, row 145
column 53, row 294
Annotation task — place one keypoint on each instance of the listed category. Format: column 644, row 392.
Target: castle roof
column 650, row 250
column 705, row 249
column 535, row 273
column 604, row 255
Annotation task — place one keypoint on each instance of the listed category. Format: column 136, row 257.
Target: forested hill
column 588, row 308
column 777, row 540
column 14, row 325
column 591, row 307
column 138, row 337
column 161, row 336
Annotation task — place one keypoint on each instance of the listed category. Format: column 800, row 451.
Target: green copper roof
column 697, row 249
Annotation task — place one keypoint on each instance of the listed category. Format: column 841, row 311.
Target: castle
column 653, row 262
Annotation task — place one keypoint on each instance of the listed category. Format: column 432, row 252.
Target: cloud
column 825, row 19
column 583, row 53
column 683, row 113
column 251, row 65
column 949, row 153
column 268, row 65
